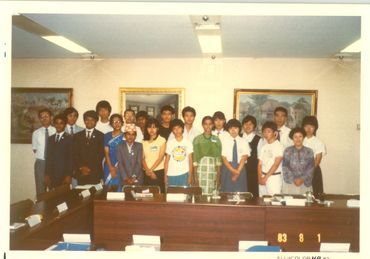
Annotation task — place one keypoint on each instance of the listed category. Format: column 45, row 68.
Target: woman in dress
column 207, row 158
column 298, row 165
column 310, row 125
column 154, row 148
column 111, row 139
column 235, row 152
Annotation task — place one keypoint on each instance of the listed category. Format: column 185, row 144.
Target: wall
column 209, row 87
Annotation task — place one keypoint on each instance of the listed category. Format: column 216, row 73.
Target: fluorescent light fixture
column 66, row 43
column 354, row 47
column 210, row 43
column 206, row 27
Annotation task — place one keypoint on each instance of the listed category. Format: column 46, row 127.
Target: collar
column 249, row 137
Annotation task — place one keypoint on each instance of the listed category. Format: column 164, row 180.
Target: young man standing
column 190, row 132
column 39, row 147
column 269, row 161
column 71, row 114
column 280, row 118
column 167, row 114
column 89, row 151
column 103, row 109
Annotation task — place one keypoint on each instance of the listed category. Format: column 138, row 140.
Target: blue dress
column 112, row 143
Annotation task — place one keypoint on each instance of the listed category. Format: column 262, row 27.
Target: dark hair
column 168, row 108
column 60, row 116
column 188, row 109
column 70, row 110
column 233, row 123
column 142, row 114
column 128, row 110
column 251, row 119
column 176, row 122
column 219, row 115
column 311, row 120
column 45, row 110
column 206, row 118
column 150, row 122
column 297, row 130
column 269, row 125
column 281, row 109
column 115, row 115
column 103, row 104
column 92, row 114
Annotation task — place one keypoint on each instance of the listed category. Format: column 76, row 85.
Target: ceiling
column 172, row 36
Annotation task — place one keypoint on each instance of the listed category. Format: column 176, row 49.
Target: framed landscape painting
column 25, row 104
column 262, row 103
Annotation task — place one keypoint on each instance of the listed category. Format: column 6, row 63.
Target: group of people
column 136, row 149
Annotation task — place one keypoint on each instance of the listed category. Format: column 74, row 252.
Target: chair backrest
column 20, row 210
column 58, row 191
column 193, row 190
column 140, row 188
column 264, row 249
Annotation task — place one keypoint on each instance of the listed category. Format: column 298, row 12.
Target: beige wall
column 209, row 86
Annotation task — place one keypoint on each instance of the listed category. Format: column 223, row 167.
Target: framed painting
column 152, row 100
column 25, row 104
column 262, row 103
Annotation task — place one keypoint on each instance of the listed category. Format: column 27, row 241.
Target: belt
column 276, row 173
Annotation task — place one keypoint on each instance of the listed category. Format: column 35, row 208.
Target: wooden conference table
column 202, row 225
column 217, row 225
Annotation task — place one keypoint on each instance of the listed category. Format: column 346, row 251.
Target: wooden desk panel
column 303, row 228
column 192, row 225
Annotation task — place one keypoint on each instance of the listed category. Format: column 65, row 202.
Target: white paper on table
column 84, row 187
column 77, row 238
column 146, row 240
column 244, row 245
column 352, row 203
column 115, row 196
column 295, row 202
column 179, row 197
column 334, row 247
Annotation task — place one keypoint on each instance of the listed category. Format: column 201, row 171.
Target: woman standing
column 249, row 127
column 111, row 141
column 310, row 125
column 207, row 158
column 154, row 148
column 298, row 165
column 235, row 152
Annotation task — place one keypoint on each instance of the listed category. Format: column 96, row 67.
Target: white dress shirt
column 38, row 141
column 315, row 144
column 228, row 144
column 284, row 136
column 75, row 127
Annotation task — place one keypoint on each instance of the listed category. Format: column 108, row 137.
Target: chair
column 264, row 249
column 242, row 195
column 58, row 191
column 20, row 210
column 140, row 188
column 193, row 190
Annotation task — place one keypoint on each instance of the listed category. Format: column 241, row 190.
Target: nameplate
column 146, row 240
column 244, row 245
column 34, row 220
column 352, row 203
column 98, row 187
column 115, row 196
column 84, row 187
column 143, row 195
column 136, row 248
column 77, row 238
column 334, row 247
column 176, row 197
column 295, row 202
column 62, row 207
column 85, row 194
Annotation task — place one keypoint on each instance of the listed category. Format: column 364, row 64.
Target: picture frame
column 152, row 98
column 150, row 110
column 25, row 104
column 262, row 103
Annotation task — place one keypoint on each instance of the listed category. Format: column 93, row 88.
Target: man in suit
column 129, row 158
column 89, row 151
column 59, row 159
column 71, row 115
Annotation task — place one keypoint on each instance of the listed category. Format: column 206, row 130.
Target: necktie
column 88, row 137
column 71, row 131
column 57, row 139
column 235, row 154
column 46, row 141
column 278, row 135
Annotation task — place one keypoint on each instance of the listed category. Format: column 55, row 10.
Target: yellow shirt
column 151, row 152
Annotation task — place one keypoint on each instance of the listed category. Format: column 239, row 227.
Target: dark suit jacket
column 59, row 159
column 130, row 163
column 89, row 154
